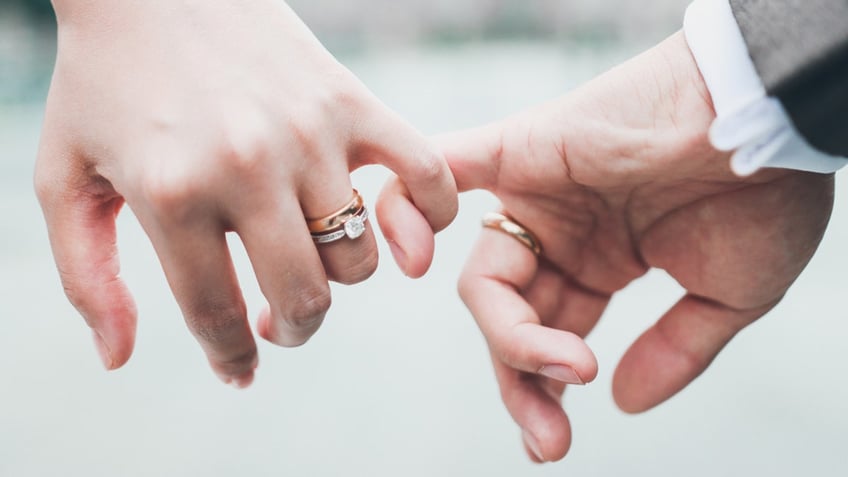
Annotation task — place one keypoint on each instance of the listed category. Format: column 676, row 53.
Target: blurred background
column 397, row 382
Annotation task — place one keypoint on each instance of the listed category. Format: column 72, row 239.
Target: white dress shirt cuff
column 748, row 121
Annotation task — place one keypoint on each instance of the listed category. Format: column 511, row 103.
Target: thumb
column 474, row 155
column 81, row 226
column 675, row 351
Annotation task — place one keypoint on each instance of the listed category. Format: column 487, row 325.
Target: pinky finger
column 498, row 268
column 405, row 228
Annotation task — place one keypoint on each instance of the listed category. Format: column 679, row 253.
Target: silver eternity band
column 353, row 228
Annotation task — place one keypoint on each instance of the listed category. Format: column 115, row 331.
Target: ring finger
column 328, row 203
column 286, row 265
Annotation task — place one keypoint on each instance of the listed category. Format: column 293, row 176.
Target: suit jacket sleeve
column 800, row 51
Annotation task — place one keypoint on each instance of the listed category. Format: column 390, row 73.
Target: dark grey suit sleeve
column 800, row 50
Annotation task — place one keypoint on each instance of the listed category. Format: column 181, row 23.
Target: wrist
column 685, row 95
column 677, row 109
column 663, row 106
column 650, row 117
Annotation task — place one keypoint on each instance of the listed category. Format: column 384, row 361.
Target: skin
column 208, row 117
column 202, row 131
column 617, row 178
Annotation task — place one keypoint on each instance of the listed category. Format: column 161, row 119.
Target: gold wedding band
column 507, row 225
column 338, row 218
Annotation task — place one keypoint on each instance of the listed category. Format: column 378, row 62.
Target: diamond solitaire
column 355, row 227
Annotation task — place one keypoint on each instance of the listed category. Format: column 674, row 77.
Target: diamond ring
column 337, row 218
column 352, row 228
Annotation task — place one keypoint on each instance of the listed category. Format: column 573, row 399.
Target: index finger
column 498, row 271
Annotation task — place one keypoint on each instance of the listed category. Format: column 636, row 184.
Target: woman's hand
column 615, row 179
column 214, row 116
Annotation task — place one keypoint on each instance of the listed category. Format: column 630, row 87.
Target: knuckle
column 174, row 196
column 339, row 102
column 217, row 324
column 340, row 89
column 238, row 362
column 511, row 354
column 245, row 148
column 171, row 194
column 346, row 94
column 309, row 128
column 79, row 291
column 511, row 349
column 43, row 185
column 290, row 340
column 309, row 308
column 507, row 352
column 429, row 166
column 80, row 298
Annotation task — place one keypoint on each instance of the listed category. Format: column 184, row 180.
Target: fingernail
column 533, row 445
column 103, row 350
column 399, row 255
column 565, row 374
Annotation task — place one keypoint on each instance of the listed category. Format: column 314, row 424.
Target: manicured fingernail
column 399, row 254
column 533, row 445
column 565, row 374
column 103, row 350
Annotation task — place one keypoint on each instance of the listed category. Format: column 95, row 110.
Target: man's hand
column 615, row 179
column 207, row 117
